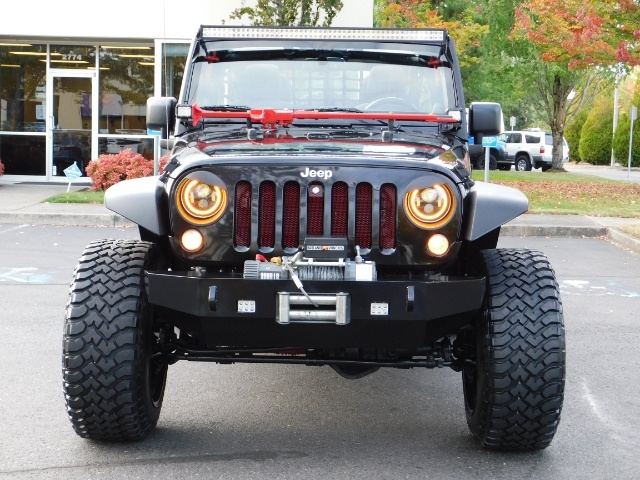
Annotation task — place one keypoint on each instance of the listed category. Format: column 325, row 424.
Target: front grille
column 339, row 209
column 287, row 214
column 243, row 215
column 267, row 220
column 315, row 209
column 387, row 216
column 291, row 215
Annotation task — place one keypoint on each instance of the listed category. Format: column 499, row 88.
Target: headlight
column 429, row 207
column 199, row 201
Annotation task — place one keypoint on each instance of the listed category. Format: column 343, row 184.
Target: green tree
column 595, row 137
column 420, row 14
column 293, row 13
column 629, row 98
column 488, row 57
column 499, row 75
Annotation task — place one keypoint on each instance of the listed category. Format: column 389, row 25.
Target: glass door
column 70, row 120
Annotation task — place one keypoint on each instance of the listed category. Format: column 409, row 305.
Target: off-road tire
column 112, row 386
column 514, row 393
column 522, row 163
column 493, row 162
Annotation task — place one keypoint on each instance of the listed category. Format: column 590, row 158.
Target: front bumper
column 368, row 314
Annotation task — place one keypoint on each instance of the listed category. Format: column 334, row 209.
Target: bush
column 621, row 142
column 630, row 95
column 597, row 132
column 108, row 169
column 572, row 134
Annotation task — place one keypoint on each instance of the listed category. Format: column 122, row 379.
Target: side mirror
column 485, row 118
column 161, row 115
column 168, row 144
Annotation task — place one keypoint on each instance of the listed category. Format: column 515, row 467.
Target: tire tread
column 104, row 328
column 523, row 347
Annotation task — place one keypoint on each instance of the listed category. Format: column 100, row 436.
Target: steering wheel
column 391, row 103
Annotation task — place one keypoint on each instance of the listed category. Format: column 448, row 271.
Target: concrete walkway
column 21, row 203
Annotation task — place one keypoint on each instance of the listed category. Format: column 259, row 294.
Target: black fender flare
column 141, row 200
column 491, row 206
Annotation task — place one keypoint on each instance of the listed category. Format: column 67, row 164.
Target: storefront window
column 126, row 81
column 23, row 79
column 173, row 61
column 22, row 108
column 73, row 56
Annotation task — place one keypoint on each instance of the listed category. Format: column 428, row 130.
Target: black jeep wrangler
column 317, row 209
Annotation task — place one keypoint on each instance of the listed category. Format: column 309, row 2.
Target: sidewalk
column 20, row 203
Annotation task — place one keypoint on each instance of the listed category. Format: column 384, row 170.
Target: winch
column 307, row 266
column 331, row 308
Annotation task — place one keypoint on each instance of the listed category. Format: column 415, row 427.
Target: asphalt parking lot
column 244, row 421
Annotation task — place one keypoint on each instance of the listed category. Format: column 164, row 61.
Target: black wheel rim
column 157, row 380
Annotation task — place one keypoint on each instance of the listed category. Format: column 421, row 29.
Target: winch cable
column 294, row 276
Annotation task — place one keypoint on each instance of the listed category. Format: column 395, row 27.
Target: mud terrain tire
column 514, row 393
column 112, row 386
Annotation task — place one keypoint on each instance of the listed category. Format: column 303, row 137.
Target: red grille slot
column 315, row 209
column 387, row 216
column 364, row 198
column 267, row 215
column 243, row 214
column 339, row 209
column 291, row 215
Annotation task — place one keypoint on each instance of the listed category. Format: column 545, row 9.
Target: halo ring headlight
column 430, row 207
column 200, row 202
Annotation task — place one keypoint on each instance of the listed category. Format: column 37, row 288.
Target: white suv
column 531, row 149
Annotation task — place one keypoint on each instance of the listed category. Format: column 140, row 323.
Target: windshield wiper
column 226, row 108
column 333, row 109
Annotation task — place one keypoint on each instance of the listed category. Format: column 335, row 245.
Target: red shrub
column 163, row 163
column 108, row 169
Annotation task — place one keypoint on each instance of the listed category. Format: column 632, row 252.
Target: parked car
column 548, row 151
column 529, row 149
column 497, row 156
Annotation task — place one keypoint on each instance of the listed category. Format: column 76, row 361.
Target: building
column 74, row 81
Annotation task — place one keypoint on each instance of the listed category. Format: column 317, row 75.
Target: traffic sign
column 489, row 141
column 72, row 171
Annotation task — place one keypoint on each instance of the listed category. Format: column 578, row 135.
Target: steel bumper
column 214, row 297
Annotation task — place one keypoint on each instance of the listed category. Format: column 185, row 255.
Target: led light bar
column 325, row 33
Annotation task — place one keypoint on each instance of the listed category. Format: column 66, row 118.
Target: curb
column 66, row 219
column 553, row 231
column 623, row 240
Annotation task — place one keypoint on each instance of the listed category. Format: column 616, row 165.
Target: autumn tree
column 420, row 14
column 293, row 13
column 575, row 42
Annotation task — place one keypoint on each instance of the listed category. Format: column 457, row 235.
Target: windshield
column 424, row 85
